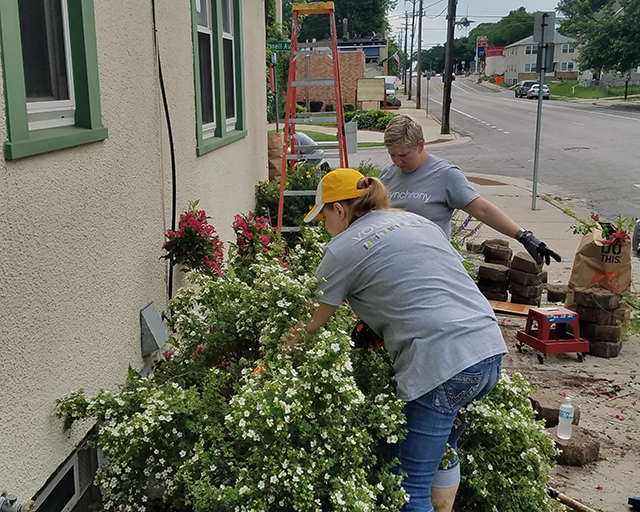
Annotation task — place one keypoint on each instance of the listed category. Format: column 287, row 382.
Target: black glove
column 538, row 249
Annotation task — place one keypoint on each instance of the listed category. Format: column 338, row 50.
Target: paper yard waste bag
column 275, row 142
column 598, row 265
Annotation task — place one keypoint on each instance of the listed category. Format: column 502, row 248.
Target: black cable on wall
column 174, row 180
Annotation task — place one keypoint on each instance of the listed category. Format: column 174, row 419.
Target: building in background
column 520, row 60
column 494, row 60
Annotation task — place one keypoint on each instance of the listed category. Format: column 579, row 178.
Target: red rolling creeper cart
column 546, row 331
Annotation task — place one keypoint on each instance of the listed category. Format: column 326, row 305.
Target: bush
column 349, row 107
column 230, row 421
column 303, row 176
column 329, row 107
column 377, row 119
column 505, row 453
column 394, row 102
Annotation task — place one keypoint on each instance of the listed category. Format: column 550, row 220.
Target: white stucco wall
column 82, row 228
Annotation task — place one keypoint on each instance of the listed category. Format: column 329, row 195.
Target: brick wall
column 567, row 75
column 321, row 66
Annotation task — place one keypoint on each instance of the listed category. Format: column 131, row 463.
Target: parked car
column 522, row 88
column 533, row 91
column 390, row 90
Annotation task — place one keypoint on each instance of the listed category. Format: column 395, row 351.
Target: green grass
column 565, row 88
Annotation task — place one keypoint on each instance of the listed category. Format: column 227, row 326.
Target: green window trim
column 222, row 136
column 88, row 119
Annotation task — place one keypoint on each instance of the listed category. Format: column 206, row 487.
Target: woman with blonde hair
column 403, row 278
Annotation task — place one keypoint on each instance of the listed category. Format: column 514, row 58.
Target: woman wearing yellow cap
column 403, row 278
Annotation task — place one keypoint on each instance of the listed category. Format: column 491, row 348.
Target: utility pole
column 448, row 67
column 406, row 37
column 413, row 33
column 419, row 63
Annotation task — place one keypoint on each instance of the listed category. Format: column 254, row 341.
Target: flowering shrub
column 231, row 421
column 195, row 244
column 617, row 233
column 505, row 453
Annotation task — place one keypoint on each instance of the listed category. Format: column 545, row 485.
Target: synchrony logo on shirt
column 407, row 194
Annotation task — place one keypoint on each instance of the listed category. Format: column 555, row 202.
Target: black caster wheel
column 581, row 357
column 519, row 346
column 540, row 359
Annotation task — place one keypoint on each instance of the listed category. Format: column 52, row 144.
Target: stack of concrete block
column 497, row 252
column 493, row 281
column 557, row 292
column 526, row 280
column 600, row 316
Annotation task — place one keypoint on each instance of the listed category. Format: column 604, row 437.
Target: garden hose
column 569, row 502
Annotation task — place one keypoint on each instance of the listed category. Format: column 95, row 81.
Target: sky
column 434, row 23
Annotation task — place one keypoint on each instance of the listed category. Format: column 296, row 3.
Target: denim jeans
column 430, row 426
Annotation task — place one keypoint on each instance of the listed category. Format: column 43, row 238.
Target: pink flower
column 265, row 239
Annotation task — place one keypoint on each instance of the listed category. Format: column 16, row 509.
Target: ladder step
column 324, row 51
column 313, row 83
column 313, row 120
column 286, row 229
column 299, row 192
column 316, row 44
column 314, row 8
column 301, row 115
column 328, row 145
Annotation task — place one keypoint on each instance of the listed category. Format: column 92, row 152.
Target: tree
column 365, row 18
column 515, row 26
column 573, row 10
column 609, row 40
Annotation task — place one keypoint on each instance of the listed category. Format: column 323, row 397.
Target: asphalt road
column 586, row 151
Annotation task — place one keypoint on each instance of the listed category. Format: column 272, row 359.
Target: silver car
column 534, row 90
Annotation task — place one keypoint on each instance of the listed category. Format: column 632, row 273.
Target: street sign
column 279, row 46
column 481, row 51
column 370, row 89
column 544, row 21
column 483, row 41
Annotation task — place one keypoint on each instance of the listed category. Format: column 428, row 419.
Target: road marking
column 636, row 185
column 579, row 124
column 470, row 116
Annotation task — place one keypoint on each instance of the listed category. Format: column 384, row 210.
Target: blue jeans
column 430, row 420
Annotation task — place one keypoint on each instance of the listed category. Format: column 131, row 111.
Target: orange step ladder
column 291, row 118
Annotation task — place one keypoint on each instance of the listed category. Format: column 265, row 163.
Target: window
column 530, row 67
column 217, row 41
column 50, row 73
column 567, row 48
column 531, row 49
column 566, row 66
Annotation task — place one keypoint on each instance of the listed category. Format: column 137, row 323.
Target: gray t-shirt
column 434, row 190
column 432, row 317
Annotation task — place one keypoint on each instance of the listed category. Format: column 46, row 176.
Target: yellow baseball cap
column 337, row 185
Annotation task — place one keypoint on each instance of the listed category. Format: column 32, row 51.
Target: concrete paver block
column 581, row 449
column 497, row 252
column 525, row 291
column 547, row 407
column 525, row 278
column 598, row 316
column 496, row 241
column 531, row 301
column 475, row 247
column 557, row 293
column 523, row 261
column 504, row 263
column 607, row 349
column 493, row 272
column 597, row 298
column 600, row 332
column 493, row 286
column 501, row 296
